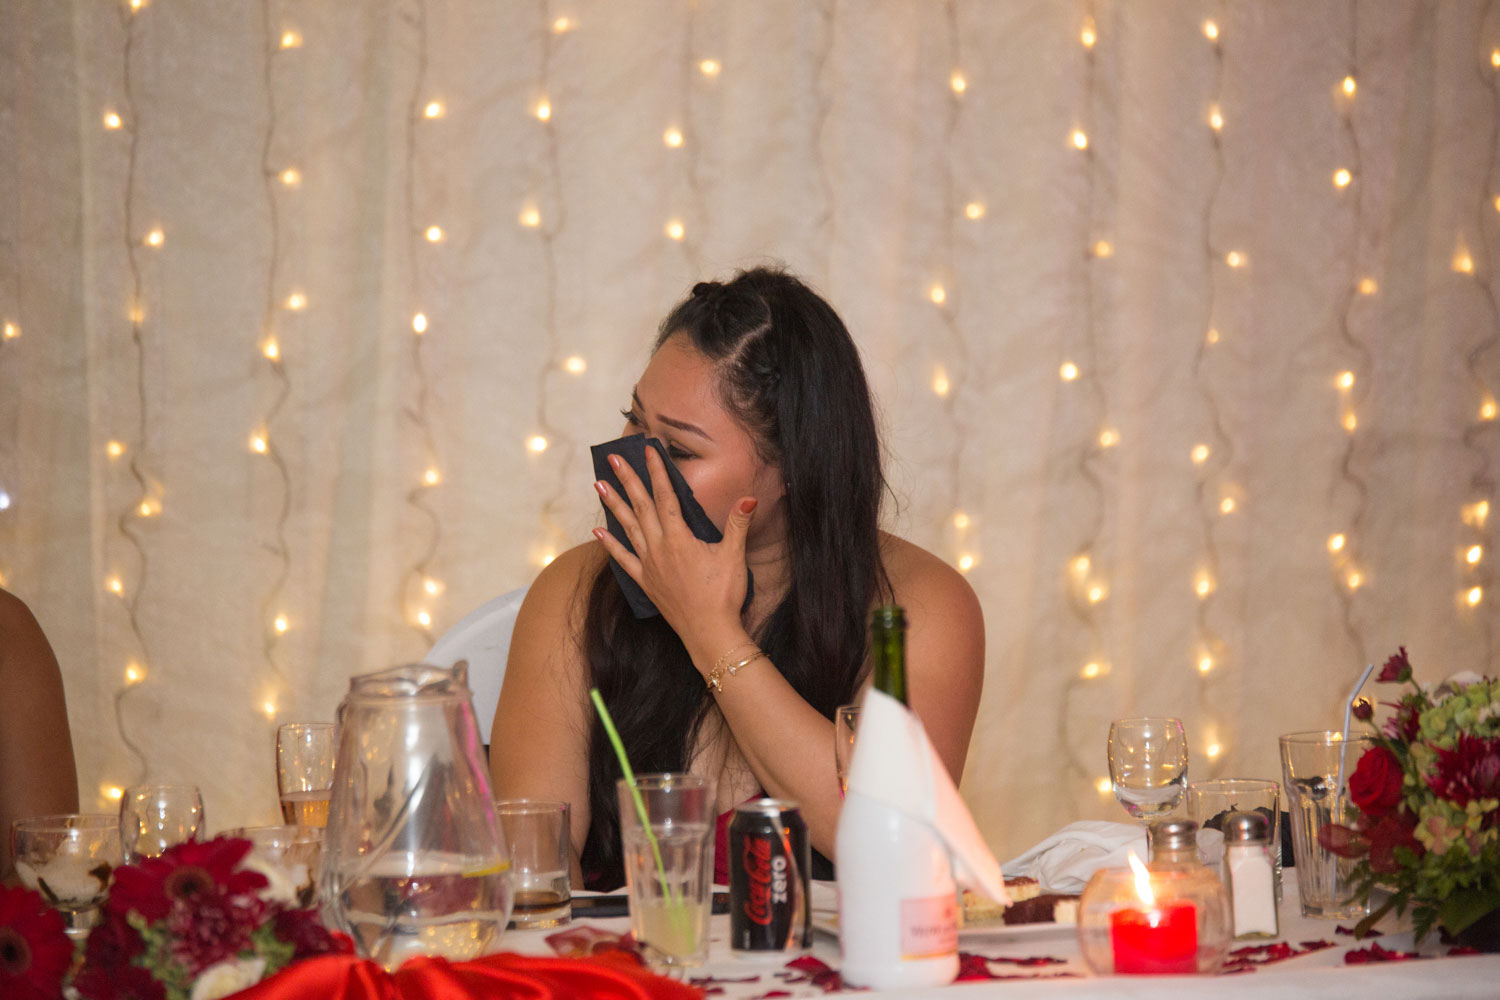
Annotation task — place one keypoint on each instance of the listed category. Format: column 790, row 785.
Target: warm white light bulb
column 268, row 707
column 259, row 444
column 1103, row 249
column 114, row 585
column 434, row 234
column 432, row 586
column 1368, row 286
column 672, row 137
column 1463, row 263
column 1068, row 371
column 1336, row 543
column 1342, row 177
column 1215, row 118
column 281, row 624
column 1211, row 30
column 424, row 619
column 1495, row 58
column 676, row 230
column 1487, row 410
column 1348, row 86
column 1346, row 380
column 1234, row 258
column 1213, row 750
column 530, row 217
column 1090, row 671
column 155, row 238
column 434, row 109
column 965, row 563
column 957, row 82
column 112, row 120
column 1205, row 663
column 1103, row 786
column 1199, row 454
column 938, row 294
column 961, row 520
column 1354, row 580
column 1080, row 565
column 1350, row 422
column 112, row 792
column 1474, row 554
column 940, row 384
column 134, row 673
column 1080, row 139
column 11, row 331
column 543, row 110
column 1088, row 36
column 562, row 25
column 1109, row 437
column 271, row 350
column 709, row 67
column 1096, row 593
column 291, row 38
column 291, row 177
column 536, row 444
column 419, row 323
column 1226, row 505
column 1212, row 336
column 575, row 365
column 1203, row 585
column 1473, row 596
column 974, row 211
column 114, row 449
column 148, row 508
column 296, row 301
column 432, row 476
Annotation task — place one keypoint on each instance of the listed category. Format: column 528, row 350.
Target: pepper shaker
column 1252, row 886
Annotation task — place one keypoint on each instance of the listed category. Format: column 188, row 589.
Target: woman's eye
column 678, row 455
column 629, row 416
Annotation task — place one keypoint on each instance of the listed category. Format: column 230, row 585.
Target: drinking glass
column 844, row 722
column 155, row 817
column 288, row 856
column 1310, row 769
column 68, row 859
column 1148, row 761
column 539, row 838
column 305, row 753
column 669, row 865
column 1210, row 802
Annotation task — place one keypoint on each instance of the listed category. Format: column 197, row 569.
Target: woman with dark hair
column 756, row 390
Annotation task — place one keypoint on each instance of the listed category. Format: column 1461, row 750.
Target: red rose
column 34, row 949
column 1375, row 785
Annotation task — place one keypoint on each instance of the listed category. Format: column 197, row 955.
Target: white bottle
column 898, row 906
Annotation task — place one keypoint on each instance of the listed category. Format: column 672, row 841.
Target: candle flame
column 1142, row 880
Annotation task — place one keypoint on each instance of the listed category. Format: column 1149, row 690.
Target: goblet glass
column 68, row 858
column 305, row 753
column 1148, row 761
column 155, row 817
column 845, row 720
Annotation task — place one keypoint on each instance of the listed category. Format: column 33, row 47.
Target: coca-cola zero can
column 770, row 865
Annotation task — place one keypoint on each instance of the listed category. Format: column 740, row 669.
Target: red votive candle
column 1159, row 940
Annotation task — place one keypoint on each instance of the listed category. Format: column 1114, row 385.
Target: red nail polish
column 748, row 506
column 602, row 487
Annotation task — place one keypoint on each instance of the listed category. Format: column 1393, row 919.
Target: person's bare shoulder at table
column 944, row 645
column 37, row 773
column 539, row 741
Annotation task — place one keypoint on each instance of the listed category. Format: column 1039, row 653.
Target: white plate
column 827, row 921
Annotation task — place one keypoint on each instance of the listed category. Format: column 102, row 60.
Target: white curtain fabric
column 829, row 136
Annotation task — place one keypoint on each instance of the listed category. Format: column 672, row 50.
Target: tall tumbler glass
column 1310, row 765
column 1210, row 802
column 669, row 865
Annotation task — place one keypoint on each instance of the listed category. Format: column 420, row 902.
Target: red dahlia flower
column 1397, row 669
column 1471, row 770
column 34, row 948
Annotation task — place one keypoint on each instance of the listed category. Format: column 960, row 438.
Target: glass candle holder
column 1154, row 922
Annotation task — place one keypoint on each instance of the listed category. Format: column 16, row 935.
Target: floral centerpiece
column 200, row 922
column 1428, row 801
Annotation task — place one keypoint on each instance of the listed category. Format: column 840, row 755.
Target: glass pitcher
column 414, row 862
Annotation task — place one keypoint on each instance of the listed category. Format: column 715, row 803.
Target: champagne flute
column 156, row 817
column 845, row 720
column 305, row 753
column 1148, row 761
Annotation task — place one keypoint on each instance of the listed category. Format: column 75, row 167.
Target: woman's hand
column 698, row 586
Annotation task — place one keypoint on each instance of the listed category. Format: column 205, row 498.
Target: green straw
column 672, row 898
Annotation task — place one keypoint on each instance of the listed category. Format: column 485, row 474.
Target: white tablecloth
column 1320, row 974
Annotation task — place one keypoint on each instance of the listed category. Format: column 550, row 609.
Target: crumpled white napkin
column 1065, row 861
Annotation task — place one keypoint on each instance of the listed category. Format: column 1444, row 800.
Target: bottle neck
column 888, row 650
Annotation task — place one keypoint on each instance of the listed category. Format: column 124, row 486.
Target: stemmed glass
column 1148, row 761
column 156, row 817
column 68, row 859
column 305, row 755
column 845, row 720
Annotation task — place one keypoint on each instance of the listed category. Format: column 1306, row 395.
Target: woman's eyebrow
column 681, row 425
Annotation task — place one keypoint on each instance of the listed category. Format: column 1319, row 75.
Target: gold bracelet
column 723, row 661
column 714, row 676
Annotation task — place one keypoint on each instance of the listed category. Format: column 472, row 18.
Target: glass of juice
column 669, row 865
column 305, row 752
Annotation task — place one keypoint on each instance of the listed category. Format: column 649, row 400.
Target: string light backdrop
column 1181, row 318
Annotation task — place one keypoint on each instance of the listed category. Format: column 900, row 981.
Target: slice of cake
column 1043, row 908
column 983, row 910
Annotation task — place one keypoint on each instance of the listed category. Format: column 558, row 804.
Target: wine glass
column 845, row 720
column 156, row 817
column 1148, row 761
column 305, row 754
column 68, row 858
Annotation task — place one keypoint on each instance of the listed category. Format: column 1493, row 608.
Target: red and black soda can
column 770, row 871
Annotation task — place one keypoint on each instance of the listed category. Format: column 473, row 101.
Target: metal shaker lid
column 1173, row 835
column 1246, row 828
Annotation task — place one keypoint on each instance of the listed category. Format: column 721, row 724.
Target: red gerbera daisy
column 34, row 948
column 182, row 873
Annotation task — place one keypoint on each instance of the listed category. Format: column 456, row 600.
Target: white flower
column 224, row 978
column 283, row 883
column 1462, row 679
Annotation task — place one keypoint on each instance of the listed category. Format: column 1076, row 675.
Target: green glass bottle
column 888, row 650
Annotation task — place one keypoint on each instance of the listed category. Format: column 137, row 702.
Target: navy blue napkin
column 633, row 450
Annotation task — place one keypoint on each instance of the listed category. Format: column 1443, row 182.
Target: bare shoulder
column 559, row 594
column 930, row 589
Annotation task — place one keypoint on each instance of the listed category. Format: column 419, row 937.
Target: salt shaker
column 1252, row 887
column 1173, row 843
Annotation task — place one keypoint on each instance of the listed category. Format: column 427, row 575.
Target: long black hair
column 789, row 372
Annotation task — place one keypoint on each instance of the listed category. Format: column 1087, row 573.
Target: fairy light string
column 418, row 586
column 825, row 223
column 548, row 440
column 1352, row 381
column 273, row 620
column 1215, row 499
column 1475, row 576
column 681, row 142
column 128, row 521
column 1086, row 587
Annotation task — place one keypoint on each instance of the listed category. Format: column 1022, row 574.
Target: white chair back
column 482, row 638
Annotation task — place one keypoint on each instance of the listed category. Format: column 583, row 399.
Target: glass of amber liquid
column 305, row 752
